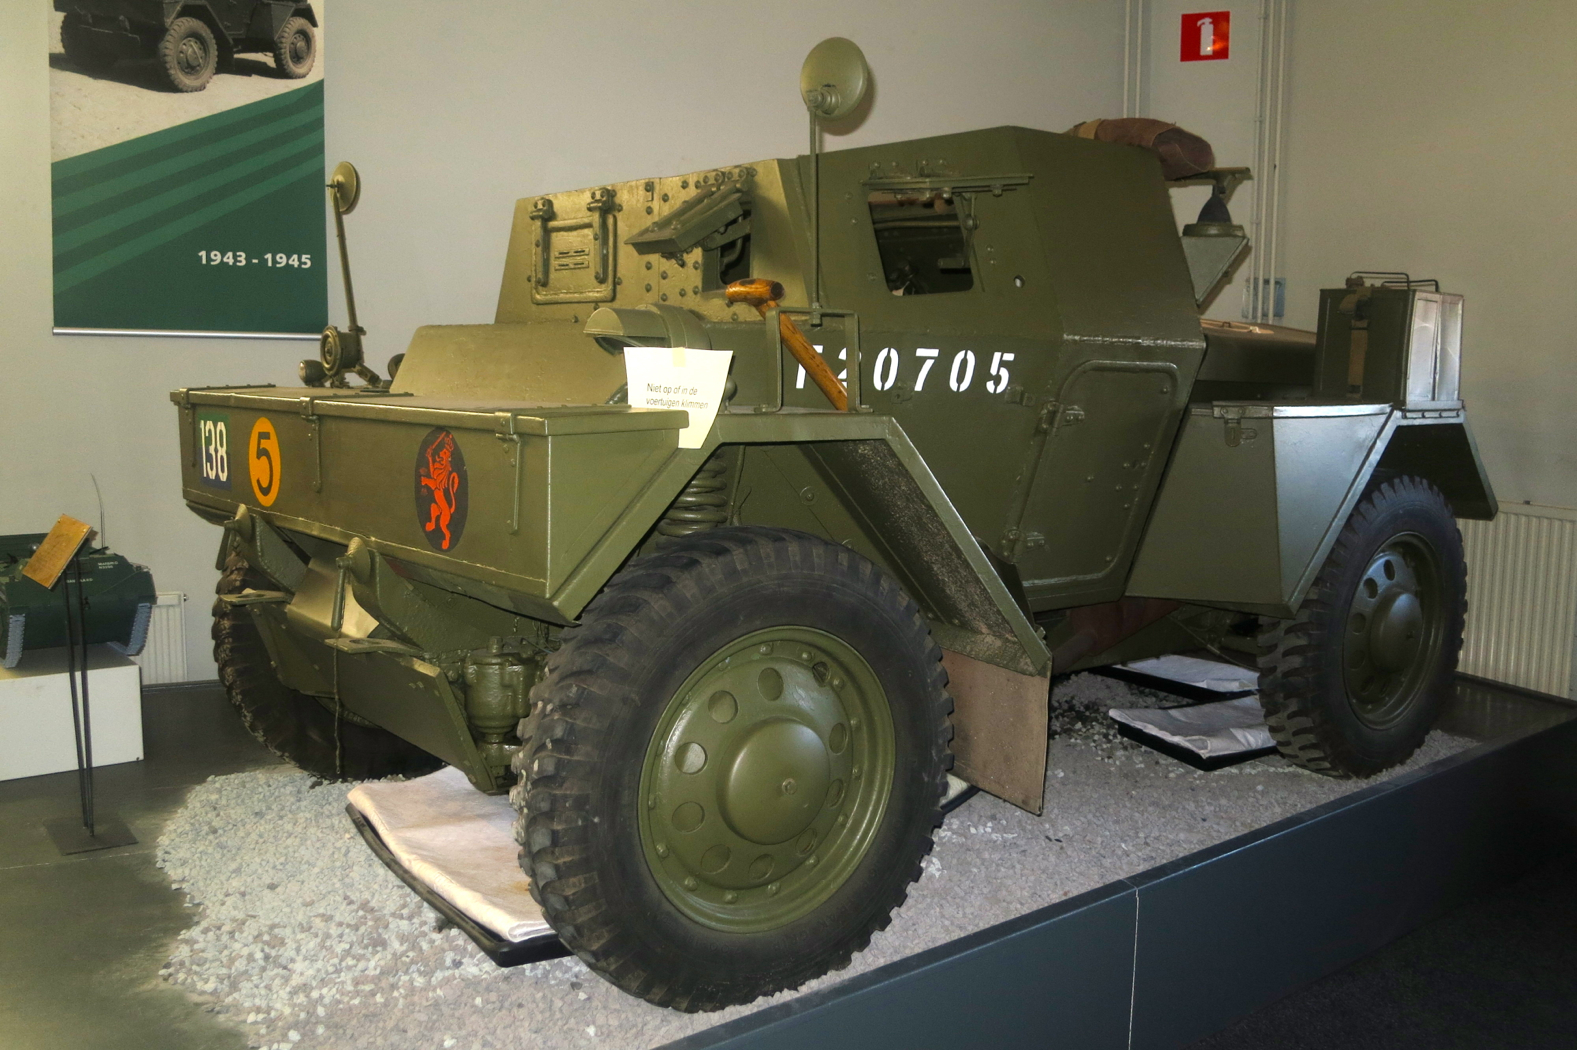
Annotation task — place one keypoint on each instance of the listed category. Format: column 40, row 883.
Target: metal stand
column 93, row 832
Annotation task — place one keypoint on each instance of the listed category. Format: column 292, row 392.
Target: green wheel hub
column 766, row 779
column 1394, row 630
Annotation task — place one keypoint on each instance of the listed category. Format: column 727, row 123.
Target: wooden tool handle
column 755, row 291
column 764, row 295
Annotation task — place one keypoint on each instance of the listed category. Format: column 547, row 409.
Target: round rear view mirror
column 834, row 78
column 346, row 184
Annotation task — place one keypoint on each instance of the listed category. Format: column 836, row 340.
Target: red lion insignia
column 440, row 489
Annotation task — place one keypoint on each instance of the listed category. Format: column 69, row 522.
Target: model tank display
column 116, row 598
column 974, row 433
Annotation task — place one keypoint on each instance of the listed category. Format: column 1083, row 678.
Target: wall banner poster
column 188, row 174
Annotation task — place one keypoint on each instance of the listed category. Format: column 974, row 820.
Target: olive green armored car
column 723, row 672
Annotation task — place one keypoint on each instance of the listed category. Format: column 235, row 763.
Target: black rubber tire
column 1302, row 683
column 595, row 711
column 82, row 50
column 295, row 48
column 297, row 727
column 185, row 40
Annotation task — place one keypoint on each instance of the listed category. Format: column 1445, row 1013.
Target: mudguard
column 1255, row 495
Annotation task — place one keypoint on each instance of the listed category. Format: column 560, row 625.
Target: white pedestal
column 36, row 735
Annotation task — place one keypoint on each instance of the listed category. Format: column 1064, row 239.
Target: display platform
column 1160, row 959
column 36, row 735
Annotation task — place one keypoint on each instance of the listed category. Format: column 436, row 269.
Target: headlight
column 1434, row 353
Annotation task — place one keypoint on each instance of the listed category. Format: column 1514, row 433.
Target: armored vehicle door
column 1125, row 356
column 1091, row 468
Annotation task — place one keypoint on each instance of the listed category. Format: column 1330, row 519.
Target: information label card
column 54, row 554
column 677, row 377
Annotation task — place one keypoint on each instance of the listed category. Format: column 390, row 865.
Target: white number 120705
column 960, row 371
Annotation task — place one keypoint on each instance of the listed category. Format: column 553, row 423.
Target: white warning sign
column 679, row 377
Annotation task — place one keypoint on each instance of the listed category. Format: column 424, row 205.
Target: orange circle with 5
column 262, row 461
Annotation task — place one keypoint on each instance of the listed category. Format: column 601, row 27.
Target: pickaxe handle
column 764, row 295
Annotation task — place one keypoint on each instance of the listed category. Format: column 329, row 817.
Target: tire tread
column 1291, row 651
column 296, row 727
column 576, row 701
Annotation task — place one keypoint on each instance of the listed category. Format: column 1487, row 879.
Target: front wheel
column 1354, row 683
column 738, row 759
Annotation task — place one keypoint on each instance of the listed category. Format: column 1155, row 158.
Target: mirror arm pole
column 815, row 224
column 344, row 266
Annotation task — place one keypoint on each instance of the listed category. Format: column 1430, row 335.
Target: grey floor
column 84, row 936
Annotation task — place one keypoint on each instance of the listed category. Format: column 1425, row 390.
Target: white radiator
column 1522, row 597
column 163, row 659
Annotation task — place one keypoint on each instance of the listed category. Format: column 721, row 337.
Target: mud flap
column 1000, row 722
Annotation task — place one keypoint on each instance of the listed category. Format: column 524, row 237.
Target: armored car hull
column 723, row 682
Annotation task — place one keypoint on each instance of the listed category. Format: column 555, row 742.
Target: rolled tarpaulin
column 1182, row 152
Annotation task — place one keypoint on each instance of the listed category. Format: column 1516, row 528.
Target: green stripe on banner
column 67, row 279
column 83, row 163
column 171, row 199
column 213, row 225
column 312, row 120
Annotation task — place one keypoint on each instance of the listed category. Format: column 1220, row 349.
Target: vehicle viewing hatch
column 923, row 243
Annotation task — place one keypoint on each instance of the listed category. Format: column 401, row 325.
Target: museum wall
column 516, row 99
column 1215, row 99
column 75, row 408
column 1415, row 140
column 451, row 118
column 1414, row 137
column 1429, row 138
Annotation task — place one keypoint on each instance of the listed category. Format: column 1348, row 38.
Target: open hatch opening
column 725, row 256
column 922, row 241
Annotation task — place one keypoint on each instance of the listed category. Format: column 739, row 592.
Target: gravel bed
column 304, row 940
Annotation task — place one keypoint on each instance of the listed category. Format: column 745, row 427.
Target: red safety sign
column 1206, row 36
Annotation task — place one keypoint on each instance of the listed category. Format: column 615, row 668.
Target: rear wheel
column 84, row 49
column 295, row 48
column 1354, row 683
column 188, row 54
column 738, row 760
column 304, row 730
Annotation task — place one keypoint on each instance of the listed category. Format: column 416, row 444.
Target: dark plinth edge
column 1233, row 928
column 501, row 951
column 1368, row 867
column 1354, row 801
column 158, row 688
column 1515, row 690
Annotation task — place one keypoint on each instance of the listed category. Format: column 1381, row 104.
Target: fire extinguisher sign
column 1206, row 36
